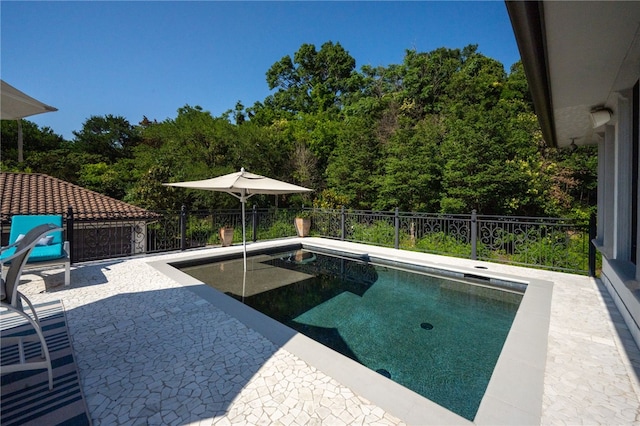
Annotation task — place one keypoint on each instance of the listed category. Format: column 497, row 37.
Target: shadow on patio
column 162, row 356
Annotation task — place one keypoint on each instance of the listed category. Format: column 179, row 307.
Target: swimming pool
column 439, row 336
column 514, row 392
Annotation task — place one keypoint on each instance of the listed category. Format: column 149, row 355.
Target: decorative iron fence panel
column 552, row 243
column 326, row 223
column 548, row 243
column 271, row 223
column 371, row 227
column 100, row 235
column 445, row 234
column 162, row 233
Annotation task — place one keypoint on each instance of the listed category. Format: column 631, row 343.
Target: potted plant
column 226, row 235
column 303, row 223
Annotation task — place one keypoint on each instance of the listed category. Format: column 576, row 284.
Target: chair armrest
column 9, row 246
column 15, row 254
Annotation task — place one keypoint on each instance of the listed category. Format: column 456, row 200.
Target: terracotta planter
column 226, row 236
column 302, row 226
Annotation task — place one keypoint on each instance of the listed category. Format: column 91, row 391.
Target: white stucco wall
column 619, row 274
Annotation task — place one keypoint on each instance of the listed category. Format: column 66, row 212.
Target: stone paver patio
column 149, row 351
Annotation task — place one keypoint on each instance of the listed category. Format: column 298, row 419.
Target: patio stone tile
column 107, row 329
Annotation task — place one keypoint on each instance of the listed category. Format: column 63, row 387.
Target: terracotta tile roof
column 35, row 193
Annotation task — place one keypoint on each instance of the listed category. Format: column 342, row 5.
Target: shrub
column 379, row 233
column 441, row 243
column 557, row 251
column 200, row 231
column 281, row 225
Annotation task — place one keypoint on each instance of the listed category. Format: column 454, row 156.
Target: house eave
column 527, row 20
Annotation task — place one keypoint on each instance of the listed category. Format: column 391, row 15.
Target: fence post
column 255, row 223
column 396, row 224
column 592, row 248
column 474, row 235
column 183, row 228
column 342, row 224
column 70, row 233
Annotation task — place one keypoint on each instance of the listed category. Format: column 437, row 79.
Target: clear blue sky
column 138, row 59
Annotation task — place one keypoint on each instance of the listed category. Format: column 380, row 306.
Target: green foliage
column 202, row 230
column 62, row 163
column 379, row 233
column 43, row 150
column 34, row 140
column 330, row 199
column 557, row 251
column 304, row 214
column 446, row 130
column 574, row 179
column 412, row 170
column 354, row 164
column 425, row 77
column 546, row 247
column 149, row 193
column 491, row 164
column 111, row 137
column 281, row 226
column 441, row 243
column 102, row 178
column 311, row 81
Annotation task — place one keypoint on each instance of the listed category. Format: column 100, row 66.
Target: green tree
column 63, row 163
column 313, row 80
column 479, row 81
column 574, row 180
column 35, row 140
column 492, row 162
column 516, row 87
column 411, row 171
column 109, row 136
column 106, row 179
column 354, row 165
column 426, row 78
column 194, row 145
column 446, row 129
column 149, row 193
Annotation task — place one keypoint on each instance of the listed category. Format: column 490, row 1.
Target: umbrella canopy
column 15, row 105
column 243, row 185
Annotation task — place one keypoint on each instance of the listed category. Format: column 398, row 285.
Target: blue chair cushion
column 53, row 248
column 50, row 252
column 7, row 253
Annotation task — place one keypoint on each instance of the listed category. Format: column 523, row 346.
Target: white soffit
column 593, row 51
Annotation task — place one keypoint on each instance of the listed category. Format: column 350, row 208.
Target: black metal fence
column 548, row 243
column 102, row 236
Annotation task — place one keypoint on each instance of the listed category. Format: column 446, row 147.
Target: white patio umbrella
column 15, row 105
column 243, row 185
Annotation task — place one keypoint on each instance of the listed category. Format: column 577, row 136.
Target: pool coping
column 514, row 393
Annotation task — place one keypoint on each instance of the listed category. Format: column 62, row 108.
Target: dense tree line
column 444, row 131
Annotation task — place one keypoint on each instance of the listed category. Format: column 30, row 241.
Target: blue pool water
column 437, row 336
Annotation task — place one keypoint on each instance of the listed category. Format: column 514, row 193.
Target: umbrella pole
column 244, row 237
column 20, row 155
column 244, row 283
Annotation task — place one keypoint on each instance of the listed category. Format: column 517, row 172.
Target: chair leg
column 67, row 263
column 33, row 310
column 23, row 366
column 67, row 273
